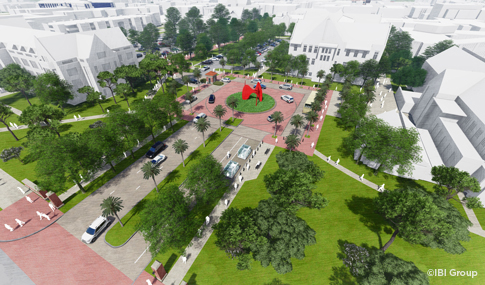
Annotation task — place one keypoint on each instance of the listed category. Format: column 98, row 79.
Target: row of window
column 315, row 50
column 348, row 52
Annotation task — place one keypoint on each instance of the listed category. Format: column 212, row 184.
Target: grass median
column 117, row 235
column 76, row 198
column 232, row 122
column 349, row 216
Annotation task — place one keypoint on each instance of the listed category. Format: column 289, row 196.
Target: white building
column 327, row 39
column 448, row 113
column 77, row 58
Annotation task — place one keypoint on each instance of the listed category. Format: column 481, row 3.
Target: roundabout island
column 249, row 105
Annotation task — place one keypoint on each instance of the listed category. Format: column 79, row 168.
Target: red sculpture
column 247, row 91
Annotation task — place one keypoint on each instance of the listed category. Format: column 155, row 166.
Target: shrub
column 203, row 80
column 219, row 83
column 473, row 203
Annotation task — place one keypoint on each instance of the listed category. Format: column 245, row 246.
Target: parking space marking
column 232, row 148
column 138, row 171
column 137, row 188
column 141, row 255
column 112, row 192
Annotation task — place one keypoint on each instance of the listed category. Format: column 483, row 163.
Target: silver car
column 226, row 80
column 201, row 115
column 256, row 80
column 286, row 86
column 287, row 98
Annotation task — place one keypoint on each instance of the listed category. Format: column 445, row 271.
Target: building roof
column 449, row 107
column 211, row 73
column 455, row 58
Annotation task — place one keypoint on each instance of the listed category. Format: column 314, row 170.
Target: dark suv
column 155, row 149
column 207, row 61
column 212, row 99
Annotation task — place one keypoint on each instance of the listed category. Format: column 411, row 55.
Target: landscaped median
column 76, row 198
column 118, row 235
column 232, row 122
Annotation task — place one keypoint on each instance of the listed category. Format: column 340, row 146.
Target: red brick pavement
column 142, row 279
column 26, row 212
column 257, row 121
column 306, row 144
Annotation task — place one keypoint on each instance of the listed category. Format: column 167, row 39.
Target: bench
column 267, row 151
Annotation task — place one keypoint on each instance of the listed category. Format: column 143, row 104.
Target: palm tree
column 316, row 106
column 277, row 118
column 180, row 146
column 202, row 125
column 320, row 75
column 189, row 96
column 150, row 170
column 186, row 81
column 232, row 102
column 311, row 117
column 222, row 62
column 297, row 121
column 197, row 74
column 111, row 206
column 303, row 70
column 287, row 71
column 292, row 142
column 220, row 111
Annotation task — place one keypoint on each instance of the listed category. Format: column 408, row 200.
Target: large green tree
column 397, row 41
column 452, row 181
column 42, row 115
column 221, row 12
column 298, row 161
column 130, row 73
column 352, row 110
column 5, row 113
column 15, row 78
column 92, row 96
column 149, row 36
column 109, row 80
column 108, row 142
column 51, row 89
column 438, row 48
column 149, row 111
column 420, row 217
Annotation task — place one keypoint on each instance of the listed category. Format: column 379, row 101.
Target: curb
column 33, row 232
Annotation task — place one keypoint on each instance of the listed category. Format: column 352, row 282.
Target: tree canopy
column 452, row 181
column 14, row 78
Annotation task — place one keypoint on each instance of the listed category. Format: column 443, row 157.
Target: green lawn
column 117, row 235
column 249, row 106
column 232, row 122
column 480, row 213
column 349, row 217
column 26, row 169
column 76, row 198
column 181, row 89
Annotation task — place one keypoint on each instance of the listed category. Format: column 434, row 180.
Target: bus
column 308, row 104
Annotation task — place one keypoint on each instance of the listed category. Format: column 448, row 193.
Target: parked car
column 226, row 80
column 219, row 56
column 207, row 62
column 155, row 149
column 256, row 80
column 206, row 68
column 200, row 116
column 262, row 86
column 272, row 44
column 212, row 99
column 193, row 80
column 138, row 55
column 94, row 229
column 270, row 119
column 215, row 58
column 194, row 98
column 159, row 159
column 286, row 86
column 287, row 98
column 263, row 60
column 278, row 40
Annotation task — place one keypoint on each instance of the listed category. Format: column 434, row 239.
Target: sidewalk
column 62, row 122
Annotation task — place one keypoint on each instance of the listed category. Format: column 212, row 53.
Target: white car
column 256, row 80
column 95, row 229
column 159, row 159
column 226, row 80
column 263, row 60
column 214, row 58
column 286, row 86
column 287, row 98
column 199, row 116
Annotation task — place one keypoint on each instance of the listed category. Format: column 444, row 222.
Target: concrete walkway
column 15, row 110
column 62, row 122
column 9, row 190
column 179, row 269
column 476, row 228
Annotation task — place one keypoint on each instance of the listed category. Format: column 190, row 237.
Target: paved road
column 10, row 273
column 130, row 186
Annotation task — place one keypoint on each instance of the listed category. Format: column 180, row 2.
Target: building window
column 316, row 50
column 106, row 66
column 96, row 69
column 310, row 49
column 376, row 54
column 356, row 53
column 294, row 49
column 34, row 65
column 338, row 51
column 72, row 71
column 347, row 52
column 129, row 55
column 304, row 48
column 364, row 54
column 101, row 55
column 120, row 57
column 328, row 58
column 321, row 57
column 309, row 74
column 92, row 26
column 313, row 61
column 25, row 62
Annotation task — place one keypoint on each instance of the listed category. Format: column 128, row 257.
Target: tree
column 205, row 180
column 11, row 153
column 397, row 41
column 246, row 15
column 352, row 110
column 185, row 41
column 220, row 111
column 351, row 70
column 252, row 27
column 130, row 73
column 5, row 113
column 232, row 103
column 188, row 97
column 311, row 118
column 133, row 35
column 92, row 96
column 277, row 117
column 149, row 111
column 408, row 75
column 36, row 115
column 292, row 142
column 438, row 48
column 298, row 161
column 336, row 68
column 164, row 221
column 297, row 121
column 150, row 170
column 198, row 73
column 186, row 80
column 377, row 267
column 123, row 89
column 202, row 126
column 369, row 69
column 194, row 21
column 291, row 27
column 369, row 93
column 107, row 142
column 124, row 31
column 108, row 79
column 423, row 218
column 320, row 75
column 51, row 89
column 366, row 135
column 111, row 206
column 170, row 107
column 180, row 146
column 149, row 36
column 220, row 11
column 452, row 181
column 15, row 78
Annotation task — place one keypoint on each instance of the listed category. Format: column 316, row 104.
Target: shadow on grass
column 214, row 136
column 341, row 276
column 170, row 262
column 363, row 206
column 173, row 176
column 64, row 128
column 113, row 107
column 137, row 209
column 192, row 280
column 404, row 183
column 194, row 155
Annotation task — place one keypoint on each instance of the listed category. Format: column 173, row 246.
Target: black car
column 138, row 55
column 212, row 99
column 219, row 56
column 193, row 80
column 207, row 61
column 155, row 149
